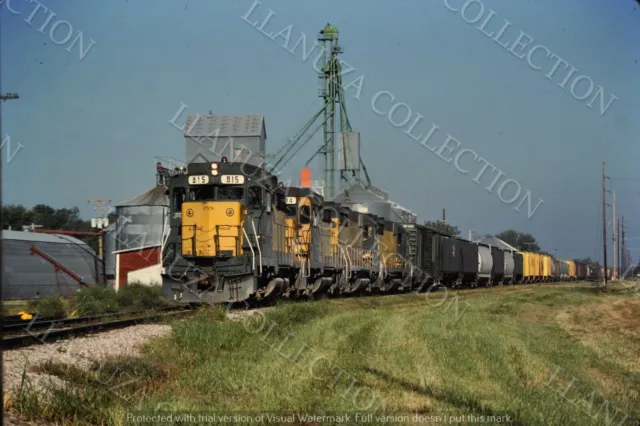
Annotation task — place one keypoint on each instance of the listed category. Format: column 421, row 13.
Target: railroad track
column 49, row 330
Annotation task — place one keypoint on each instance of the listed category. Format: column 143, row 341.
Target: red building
column 141, row 229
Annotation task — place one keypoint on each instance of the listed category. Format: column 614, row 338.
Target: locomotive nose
column 212, row 228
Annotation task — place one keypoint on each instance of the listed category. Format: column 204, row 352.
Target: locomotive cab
column 220, row 200
column 214, row 211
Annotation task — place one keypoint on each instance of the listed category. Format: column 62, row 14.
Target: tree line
column 18, row 217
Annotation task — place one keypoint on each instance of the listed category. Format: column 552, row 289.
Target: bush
column 51, row 307
column 95, row 301
column 137, row 296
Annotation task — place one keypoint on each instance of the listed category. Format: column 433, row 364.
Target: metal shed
column 237, row 137
column 29, row 276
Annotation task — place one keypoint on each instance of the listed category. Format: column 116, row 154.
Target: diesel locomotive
column 236, row 233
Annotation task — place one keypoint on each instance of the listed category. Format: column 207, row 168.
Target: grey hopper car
column 509, row 267
column 485, row 264
column 503, row 266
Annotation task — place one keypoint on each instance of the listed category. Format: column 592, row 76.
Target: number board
column 232, row 179
column 198, row 180
column 290, row 200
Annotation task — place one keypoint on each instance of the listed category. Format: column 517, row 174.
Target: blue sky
column 91, row 128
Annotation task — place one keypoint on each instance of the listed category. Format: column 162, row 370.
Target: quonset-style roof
column 497, row 242
column 154, row 197
column 27, row 276
column 225, row 126
column 358, row 194
column 36, row 237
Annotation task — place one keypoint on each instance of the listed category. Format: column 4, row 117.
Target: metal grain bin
column 141, row 222
column 109, row 251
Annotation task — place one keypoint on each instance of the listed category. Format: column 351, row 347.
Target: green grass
column 488, row 352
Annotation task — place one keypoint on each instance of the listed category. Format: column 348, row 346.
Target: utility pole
column 99, row 223
column 623, row 250
column 614, row 236
column 444, row 218
column 604, row 221
column 619, row 239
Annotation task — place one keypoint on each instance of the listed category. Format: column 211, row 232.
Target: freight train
column 237, row 234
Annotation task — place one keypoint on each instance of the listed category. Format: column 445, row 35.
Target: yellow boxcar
column 572, row 269
column 528, row 265
column 546, row 271
column 534, row 267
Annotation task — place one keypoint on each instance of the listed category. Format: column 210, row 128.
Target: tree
column 589, row 261
column 443, row 227
column 17, row 216
column 521, row 241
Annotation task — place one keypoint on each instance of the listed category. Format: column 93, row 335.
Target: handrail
column 346, row 263
column 253, row 253
column 255, row 234
column 349, row 257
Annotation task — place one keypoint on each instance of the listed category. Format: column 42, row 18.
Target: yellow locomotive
column 236, row 234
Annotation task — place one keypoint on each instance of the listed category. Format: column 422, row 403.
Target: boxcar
column 425, row 255
column 581, row 271
column 547, row 263
column 555, row 270
column 527, row 267
column 571, row 274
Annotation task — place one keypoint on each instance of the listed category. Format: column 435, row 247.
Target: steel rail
column 49, row 336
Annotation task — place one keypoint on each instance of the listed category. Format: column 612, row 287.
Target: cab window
column 305, row 215
column 178, row 198
column 254, row 197
column 202, row 193
column 227, row 192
